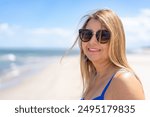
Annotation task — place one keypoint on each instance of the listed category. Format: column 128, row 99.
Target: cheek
column 83, row 46
column 106, row 51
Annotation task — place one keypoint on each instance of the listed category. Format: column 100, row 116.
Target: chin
column 93, row 59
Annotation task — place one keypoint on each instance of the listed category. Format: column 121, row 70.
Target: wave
column 8, row 57
column 16, row 73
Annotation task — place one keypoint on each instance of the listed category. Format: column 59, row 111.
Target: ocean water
column 15, row 64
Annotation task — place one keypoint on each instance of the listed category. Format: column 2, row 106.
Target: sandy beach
column 63, row 80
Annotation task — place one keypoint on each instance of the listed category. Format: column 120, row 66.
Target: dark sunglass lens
column 103, row 36
column 85, row 34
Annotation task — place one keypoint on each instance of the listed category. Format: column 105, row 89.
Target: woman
column 104, row 67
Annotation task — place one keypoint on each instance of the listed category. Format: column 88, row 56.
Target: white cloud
column 17, row 36
column 137, row 28
column 4, row 26
column 7, row 29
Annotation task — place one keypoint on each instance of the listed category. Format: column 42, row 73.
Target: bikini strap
column 106, row 87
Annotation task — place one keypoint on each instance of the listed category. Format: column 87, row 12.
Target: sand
column 63, row 80
column 141, row 65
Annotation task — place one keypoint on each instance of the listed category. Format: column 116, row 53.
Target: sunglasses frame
column 98, row 34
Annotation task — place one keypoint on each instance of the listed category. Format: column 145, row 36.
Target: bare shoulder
column 126, row 86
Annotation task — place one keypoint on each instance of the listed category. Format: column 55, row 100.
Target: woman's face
column 94, row 50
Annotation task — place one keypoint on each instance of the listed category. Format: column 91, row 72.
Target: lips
column 94, row 49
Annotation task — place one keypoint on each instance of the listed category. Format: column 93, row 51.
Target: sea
column 17, row 64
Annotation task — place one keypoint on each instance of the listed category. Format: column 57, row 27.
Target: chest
column 95, row 89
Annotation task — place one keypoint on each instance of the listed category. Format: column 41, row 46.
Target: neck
column 104, row 68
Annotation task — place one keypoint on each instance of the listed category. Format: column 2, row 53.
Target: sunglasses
column 102, row 36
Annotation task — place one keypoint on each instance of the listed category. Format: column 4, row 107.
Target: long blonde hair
column 117, row 51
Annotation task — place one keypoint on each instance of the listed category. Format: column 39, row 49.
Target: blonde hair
column 117, row 51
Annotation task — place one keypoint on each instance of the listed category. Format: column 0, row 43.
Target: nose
column 93, row 40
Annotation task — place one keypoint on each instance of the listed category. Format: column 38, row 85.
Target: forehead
column 94, row 24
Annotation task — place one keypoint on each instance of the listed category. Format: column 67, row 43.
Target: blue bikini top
column 101, row 97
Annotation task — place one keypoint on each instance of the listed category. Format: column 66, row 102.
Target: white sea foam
column 8, row 57
column 16, row 73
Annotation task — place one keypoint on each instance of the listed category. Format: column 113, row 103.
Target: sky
column 54, row 23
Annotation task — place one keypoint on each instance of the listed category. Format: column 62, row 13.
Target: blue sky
column 54, row 23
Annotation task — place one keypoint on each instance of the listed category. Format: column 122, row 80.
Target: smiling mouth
column 94, row 50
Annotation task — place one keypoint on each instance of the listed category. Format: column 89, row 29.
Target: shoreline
column 48, row 83
column 16, row 74
column 62, row 81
